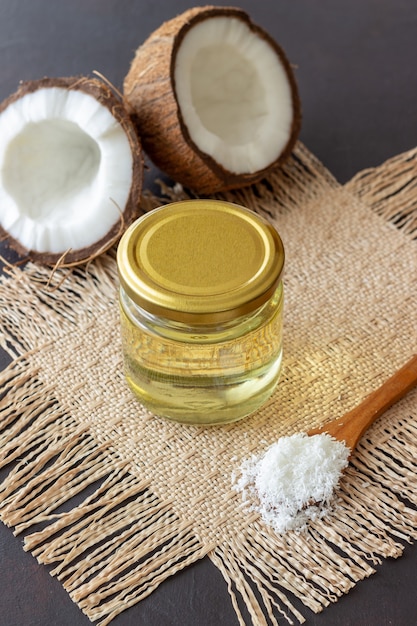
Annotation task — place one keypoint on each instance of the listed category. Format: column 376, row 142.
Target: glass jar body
column 212, row 374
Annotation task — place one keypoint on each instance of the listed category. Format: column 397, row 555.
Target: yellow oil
column 207, row 375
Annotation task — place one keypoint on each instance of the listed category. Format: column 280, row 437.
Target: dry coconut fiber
column 162, row 492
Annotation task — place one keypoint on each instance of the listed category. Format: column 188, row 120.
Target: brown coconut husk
column 114, row 103
column 149, row 88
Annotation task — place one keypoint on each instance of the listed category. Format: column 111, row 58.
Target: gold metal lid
column 200, row 261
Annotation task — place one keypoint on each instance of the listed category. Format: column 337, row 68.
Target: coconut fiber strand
column 115, row 500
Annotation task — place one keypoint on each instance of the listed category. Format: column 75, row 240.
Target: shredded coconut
column 294, row 481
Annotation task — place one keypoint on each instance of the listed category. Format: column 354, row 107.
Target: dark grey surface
column 356, row 71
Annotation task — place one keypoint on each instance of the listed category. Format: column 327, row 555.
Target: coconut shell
column 108, row 98
column 149, row 88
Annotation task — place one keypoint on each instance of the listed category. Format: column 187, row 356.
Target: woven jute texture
column 154, row 496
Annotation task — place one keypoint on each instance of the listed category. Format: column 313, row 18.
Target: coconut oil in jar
column 201, row 302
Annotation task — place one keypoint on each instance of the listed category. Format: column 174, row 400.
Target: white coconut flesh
column 65, row 168
column 234, row 94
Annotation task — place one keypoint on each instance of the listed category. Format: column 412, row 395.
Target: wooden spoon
column 350, row 427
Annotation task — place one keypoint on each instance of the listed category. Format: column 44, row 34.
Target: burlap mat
column 163, row 494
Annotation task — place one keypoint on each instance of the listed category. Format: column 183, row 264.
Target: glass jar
column 201, row 302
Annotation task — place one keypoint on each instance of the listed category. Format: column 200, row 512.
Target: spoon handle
column 351, row 426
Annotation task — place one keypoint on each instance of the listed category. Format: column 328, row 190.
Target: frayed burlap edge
column 54, row 458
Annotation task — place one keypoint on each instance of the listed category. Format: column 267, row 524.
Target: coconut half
column 215, row 99
column 71, row 169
